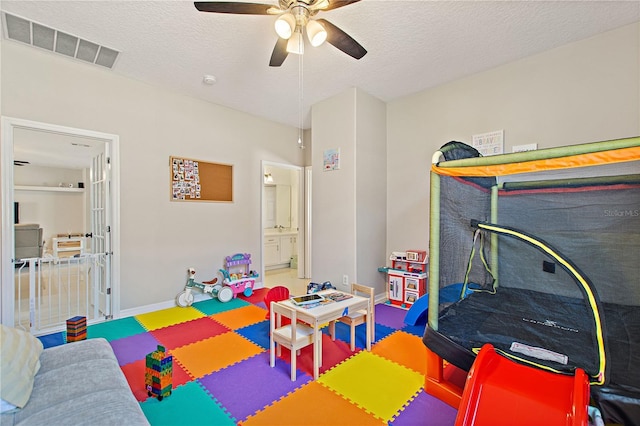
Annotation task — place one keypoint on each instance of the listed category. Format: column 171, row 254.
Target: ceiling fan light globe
column 316, row 33
column 296, row 44
column 285, row 25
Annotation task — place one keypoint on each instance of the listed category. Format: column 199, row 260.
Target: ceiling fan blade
column 279, row 53
column 334, row 4
column 342, row 40
column 240, row 8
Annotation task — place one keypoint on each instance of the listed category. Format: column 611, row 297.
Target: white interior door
column 101, row 229
column 104, row 204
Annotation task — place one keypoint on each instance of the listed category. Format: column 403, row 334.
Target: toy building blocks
column 76, row 329
column 158, row 373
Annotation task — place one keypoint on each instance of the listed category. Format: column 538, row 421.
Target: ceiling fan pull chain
column 300, row 97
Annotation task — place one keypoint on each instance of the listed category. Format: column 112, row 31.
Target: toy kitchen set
column 407, row 277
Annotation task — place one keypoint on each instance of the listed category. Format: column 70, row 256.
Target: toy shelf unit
column 238, row 275
column 68, row 245
column 407, row 278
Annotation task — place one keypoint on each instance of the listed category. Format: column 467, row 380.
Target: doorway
column 283, row 226
column 65, row 181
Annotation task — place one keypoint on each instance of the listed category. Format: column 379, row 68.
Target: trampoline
column 549, row 240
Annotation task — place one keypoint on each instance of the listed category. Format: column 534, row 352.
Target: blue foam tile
column 343, row 332
column 54, row 339
column 258, row 333
column 416, row 330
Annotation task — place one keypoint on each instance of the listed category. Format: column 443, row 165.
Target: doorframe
column 8, row 125
column 302, row 222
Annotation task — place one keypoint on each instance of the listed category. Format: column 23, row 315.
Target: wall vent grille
column 43, row 37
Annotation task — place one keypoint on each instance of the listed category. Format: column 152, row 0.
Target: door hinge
column 108, row 160
column 108, row 228
column 109, row 290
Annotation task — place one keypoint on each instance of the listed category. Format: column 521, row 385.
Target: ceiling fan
column 295, row 17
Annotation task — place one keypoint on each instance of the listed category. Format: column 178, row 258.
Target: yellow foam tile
column 166, row 317
column 373, row 383
column 213, row 354
column 405, row 349
column 312, row 404
column 241, row 317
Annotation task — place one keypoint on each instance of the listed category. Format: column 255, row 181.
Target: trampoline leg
column 438, row 384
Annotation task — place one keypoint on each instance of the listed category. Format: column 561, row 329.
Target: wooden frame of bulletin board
column 195, row 180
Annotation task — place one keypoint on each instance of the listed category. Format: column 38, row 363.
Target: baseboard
column 197, row 297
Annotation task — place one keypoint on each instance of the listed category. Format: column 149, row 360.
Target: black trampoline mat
column 558, row 324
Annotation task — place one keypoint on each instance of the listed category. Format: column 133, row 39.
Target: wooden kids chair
column 292, row 336
column 357, row 317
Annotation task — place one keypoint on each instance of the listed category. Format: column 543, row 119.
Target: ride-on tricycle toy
column 185, row 297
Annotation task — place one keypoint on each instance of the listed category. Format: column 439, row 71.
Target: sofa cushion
column 19, row 363
column 79, row 383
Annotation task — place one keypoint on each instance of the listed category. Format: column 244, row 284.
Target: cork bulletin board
column 195, row 180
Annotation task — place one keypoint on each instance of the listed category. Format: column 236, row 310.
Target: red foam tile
column 135, row 374
column 333, row 353
column 256, row 297
column 188, row 332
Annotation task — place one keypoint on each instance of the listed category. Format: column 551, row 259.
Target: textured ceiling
column 412, row 45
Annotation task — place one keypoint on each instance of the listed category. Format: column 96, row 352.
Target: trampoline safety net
column 547, row 245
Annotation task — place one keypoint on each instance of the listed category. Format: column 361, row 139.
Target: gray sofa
column 79, row 383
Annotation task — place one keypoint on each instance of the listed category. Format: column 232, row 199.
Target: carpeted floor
column 221, row 372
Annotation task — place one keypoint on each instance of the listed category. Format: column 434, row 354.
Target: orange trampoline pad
column 301, row 408
column 213, row 354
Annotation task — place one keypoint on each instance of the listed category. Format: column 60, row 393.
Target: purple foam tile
column 426, row 410
column 133, row 348
column 390, row 316
column 252, row 384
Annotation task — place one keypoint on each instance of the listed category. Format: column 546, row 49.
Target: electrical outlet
column 345, row 280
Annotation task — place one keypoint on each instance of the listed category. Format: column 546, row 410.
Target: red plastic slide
column 500, row 391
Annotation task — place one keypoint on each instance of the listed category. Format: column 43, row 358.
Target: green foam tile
column 188, row 403
column 115, row 329
column 214, row 306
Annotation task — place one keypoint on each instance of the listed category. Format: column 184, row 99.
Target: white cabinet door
column 271, row 251
column 285, row 249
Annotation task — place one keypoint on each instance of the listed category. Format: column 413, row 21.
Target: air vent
column 34, row 34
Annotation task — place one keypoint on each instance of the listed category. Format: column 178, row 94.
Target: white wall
column 333, row 194
column 371, row 194
column 349, row 213
column 159, row 239
column 582, row 92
